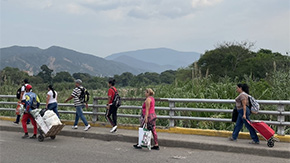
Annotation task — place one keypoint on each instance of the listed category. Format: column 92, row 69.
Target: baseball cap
column 28, row 87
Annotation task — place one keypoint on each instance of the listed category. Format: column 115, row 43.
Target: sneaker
column 74, row 127
column 254, row 142
column 232, row 139
column 87, row 127
column 33, row 137
column 155, row 147
column 137, row 146
column 15, row 123
column 114, row 129
column 25, row 136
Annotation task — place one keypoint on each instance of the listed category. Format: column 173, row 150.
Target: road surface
column 65, row 149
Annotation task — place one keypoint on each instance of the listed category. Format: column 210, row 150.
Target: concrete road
column 65, row 149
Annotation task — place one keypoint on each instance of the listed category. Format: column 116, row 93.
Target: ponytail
column 51, row 88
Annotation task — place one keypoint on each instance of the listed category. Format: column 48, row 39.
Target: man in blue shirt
column 31, row 102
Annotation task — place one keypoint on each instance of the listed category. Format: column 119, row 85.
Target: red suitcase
column 266, row 131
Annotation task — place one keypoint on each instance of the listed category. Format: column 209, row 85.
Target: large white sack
column 48, row 114
column 39, row 120
column 54, row 120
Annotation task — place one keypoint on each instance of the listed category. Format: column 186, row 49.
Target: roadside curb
column 176, row 130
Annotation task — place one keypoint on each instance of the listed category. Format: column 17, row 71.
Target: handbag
column 235, row 115
column 144, row 138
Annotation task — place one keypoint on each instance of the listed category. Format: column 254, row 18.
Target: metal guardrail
column 280, row 113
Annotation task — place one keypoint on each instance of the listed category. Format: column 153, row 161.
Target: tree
column 85, row 77
column 167, row 77
column 225, row 59
column 45, row 74
column 124, row 79
column 11, row 75
column 62, row 77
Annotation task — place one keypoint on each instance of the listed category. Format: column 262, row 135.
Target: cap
column 28, row 87
column 79, row 81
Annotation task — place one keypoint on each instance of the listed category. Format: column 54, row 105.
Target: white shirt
column 51, row 99
column 23, row 90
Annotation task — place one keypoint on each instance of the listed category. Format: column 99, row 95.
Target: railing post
column 171, row 113
column 95, row 110
column 281, row 119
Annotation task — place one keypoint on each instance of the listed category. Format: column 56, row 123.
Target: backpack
column 254, row 105
column 85, row 95
column 117, row 99
column 18, row 93
column 33, row 102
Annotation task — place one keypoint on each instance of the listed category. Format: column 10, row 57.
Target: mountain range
column 156, row 60
column 59, row 59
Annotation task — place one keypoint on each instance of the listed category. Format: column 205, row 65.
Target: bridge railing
column 279, row 112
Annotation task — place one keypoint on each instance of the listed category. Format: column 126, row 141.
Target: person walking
column 111, row 109
column 79, row 105
column 242, row 104
column 22, row 100
column 31, row 102
column 148, row 117
column 51, row 100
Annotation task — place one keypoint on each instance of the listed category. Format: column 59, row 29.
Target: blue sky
column 104, row 27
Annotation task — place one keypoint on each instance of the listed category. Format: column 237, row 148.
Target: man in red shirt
column 111, row 109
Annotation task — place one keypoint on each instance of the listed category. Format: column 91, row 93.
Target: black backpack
column 18, row 93
column 117, row 99
column 85, row 95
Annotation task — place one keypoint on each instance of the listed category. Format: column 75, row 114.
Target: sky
column 104, row 27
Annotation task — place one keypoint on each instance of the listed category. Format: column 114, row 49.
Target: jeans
column 112, row 111
column 79, row 114
column 53, row 107
column 239, row 125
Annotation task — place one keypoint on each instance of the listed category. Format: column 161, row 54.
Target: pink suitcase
column 266, row 131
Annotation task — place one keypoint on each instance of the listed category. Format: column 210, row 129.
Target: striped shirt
column 76, row 94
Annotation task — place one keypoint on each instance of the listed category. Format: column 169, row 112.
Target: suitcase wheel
column 271, row 142
column 53, row 137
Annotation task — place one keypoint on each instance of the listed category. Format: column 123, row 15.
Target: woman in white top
column 51, row 100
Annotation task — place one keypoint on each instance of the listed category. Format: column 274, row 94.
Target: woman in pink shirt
column 149, row 117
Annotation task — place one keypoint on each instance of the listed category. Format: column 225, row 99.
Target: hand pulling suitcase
column 266, row 131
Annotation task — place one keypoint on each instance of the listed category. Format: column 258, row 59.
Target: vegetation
column 214, row 76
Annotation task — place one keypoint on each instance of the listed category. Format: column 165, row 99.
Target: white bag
column 48, row 114
column 39, row 120
column 144, row 139
column 51, row 121
column 35, row 112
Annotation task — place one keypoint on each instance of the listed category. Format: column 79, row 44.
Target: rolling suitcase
column 266, row 131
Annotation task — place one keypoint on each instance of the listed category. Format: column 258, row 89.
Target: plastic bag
column 48, row 114
column 51, row 121
column 39, row 120
column 144, row 139
column 35, row 112
column 19, row 109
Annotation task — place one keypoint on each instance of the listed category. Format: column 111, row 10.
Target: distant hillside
column 169, row 58
column 60, row 59
column 147, row 66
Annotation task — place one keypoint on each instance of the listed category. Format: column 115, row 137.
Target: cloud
column 142, row 9
column 202, row 3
